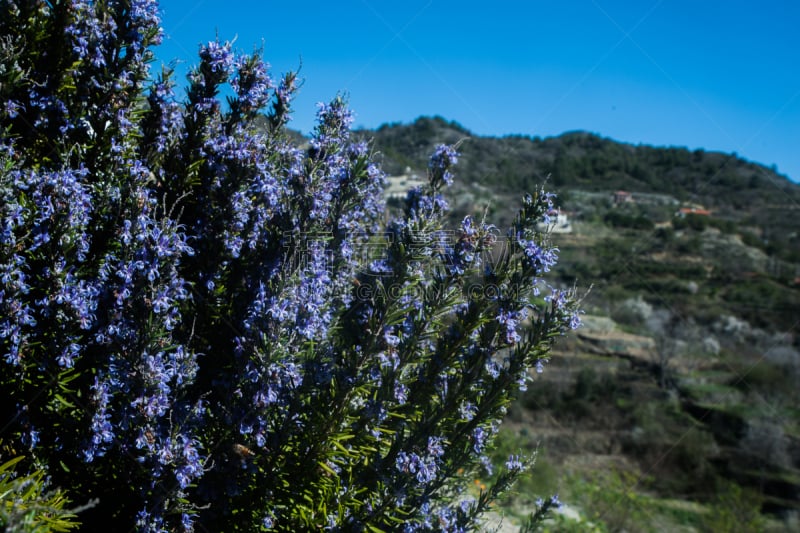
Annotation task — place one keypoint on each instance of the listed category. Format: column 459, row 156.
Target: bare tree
column 673, row 336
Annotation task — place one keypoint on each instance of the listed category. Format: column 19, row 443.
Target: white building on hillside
column 559, row 223
column 398, row 186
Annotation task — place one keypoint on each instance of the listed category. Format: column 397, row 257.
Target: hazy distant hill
column 723, row 182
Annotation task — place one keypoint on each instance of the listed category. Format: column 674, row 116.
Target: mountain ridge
column 733, row 189
column 408, row 144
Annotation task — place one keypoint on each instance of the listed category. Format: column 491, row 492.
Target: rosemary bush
column 206, row 326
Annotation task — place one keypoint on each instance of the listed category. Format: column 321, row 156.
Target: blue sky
column 718, row 75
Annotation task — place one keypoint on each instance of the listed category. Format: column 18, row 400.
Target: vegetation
column 209, row 322
column 205, row 325
column 26, row 505
column 677, row 396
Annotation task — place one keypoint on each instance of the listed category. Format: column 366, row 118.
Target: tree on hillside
column 205, row 326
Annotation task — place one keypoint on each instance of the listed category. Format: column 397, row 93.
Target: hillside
column 731, row 186
column 675, row 407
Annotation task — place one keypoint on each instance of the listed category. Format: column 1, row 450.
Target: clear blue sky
column 712, row 74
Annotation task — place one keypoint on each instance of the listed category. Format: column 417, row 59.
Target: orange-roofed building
column 684, row 211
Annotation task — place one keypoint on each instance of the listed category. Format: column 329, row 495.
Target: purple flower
column 575, row 320
column 251, row 83
column 555, row 502
column 538, row 257
column 12, row 108
column 440, row 162
column 400, row 393
column 68, row 355
column 510, row 320
column 435, row 448
column 479, row 439
column 424, row 471
column 468, row 410
column 218, row 58
column 514, row 464
column 187, row 521
column 486, row 463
